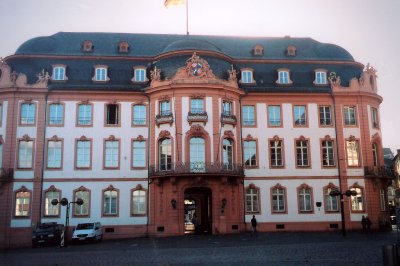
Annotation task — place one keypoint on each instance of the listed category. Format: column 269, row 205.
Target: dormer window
column 258, row 50
column 291, row 50
column 87, row 46
column 284, row 76
column 139, row 74
column 59, row 73
column 123, row 47
column 100, row 73
column 320, row 77
column 247, row 76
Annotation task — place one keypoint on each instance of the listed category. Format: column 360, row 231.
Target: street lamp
column 347, row 193
column 64, row 202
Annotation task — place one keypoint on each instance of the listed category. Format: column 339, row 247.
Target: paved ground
column 266, row 249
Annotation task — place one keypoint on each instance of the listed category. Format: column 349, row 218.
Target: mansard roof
column 151, row 45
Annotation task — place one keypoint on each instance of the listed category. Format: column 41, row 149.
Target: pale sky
column 366, row 28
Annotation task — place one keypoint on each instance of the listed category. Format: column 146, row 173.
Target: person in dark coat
column 254, row 226
column 369, row 223
column 364, row 224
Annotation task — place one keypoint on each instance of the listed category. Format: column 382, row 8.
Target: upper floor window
column 112, row 114
column 227, row 108
column 87, row 46
column 197, row 154
column 59, row 73
column 305, row 198
column 320, row 77
column 291, row 50
column 84, row 209
column 252, row 199
column 54, row 154
column 100, row 73
column 276, row 152
column 139, row 153
column 25, row 154
column 300, row 115
column 139, row 115
column 302, row 153
column 83, row 153
column 350, row 116
column 375, row 119
column 165, row 108
column 278, row 199
column 325, row 117
column 22, row 202
column 84, row 115
column 248, row 115
column 139, row 75
column 227, row 154
column 328, row 157
column 382, row 197
column 110, row 201
column 374, row 154
column 27, row 116
column 123, row 47
column 357, row 201
column 283, row 77
column 247, row 76
column 274, row 116
column 352, row 153
column 111, row 154
column 56, row 114
column 165, row 155
column 196, row 106
column 258, row 50
column 250, row 153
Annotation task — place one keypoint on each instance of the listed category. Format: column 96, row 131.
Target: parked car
column 87, row 232
column 47, row 233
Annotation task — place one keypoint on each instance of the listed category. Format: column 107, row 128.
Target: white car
column 87, row 231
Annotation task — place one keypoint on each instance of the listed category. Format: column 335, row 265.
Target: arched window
column 357, row 202
column 139, row 204
column 165, row 155
column 375, row 154
column 227, row 154
column 197, row 155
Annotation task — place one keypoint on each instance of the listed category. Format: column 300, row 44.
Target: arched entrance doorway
column 198, row 212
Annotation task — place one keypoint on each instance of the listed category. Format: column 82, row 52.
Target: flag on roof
column 169, row 3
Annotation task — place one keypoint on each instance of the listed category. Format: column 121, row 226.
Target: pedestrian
column 369, row 223
column 254, row 226
column 364, row 224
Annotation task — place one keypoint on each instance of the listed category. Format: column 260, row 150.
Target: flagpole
column 187, row 17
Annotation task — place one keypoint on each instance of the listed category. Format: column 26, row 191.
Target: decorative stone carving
column 43, row 77
column 228, row 134
column 275, row 138
column 83, row 138
column 26, row 137
column 352, row 138
column 196, row 131
column 232, row 74
column 334, row 80
column 155, row 75
column 328, row 138
column 302, row 138
column 198, row 67
column 164, row 134
column 249, row 137
column 140, row 138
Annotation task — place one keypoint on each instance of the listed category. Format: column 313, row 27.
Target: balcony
column 197, row 117
column 228, row 118
column 196, row 169
column 379, row 172
column 164, row 118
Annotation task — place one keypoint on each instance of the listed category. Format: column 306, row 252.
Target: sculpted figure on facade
column 334, row 80
column 232, row 74
column 155, row 75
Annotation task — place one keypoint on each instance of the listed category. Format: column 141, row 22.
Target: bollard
column 62, row 239
column 390, row 255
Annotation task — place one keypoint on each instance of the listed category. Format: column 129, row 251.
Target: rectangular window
column 56, row 114
column 276, row 153
column 248, row 115
column 320, row 77
column 328, row 158
column 101, row 74
column 50, row 209
column 82, row 210
column 139, row 202
column 250, row 153
column 165, row 108
column 54, row 154
column 1, row 155
column 140, row 75
column 110, row 202
column 305, row 200
column 325, row 118
column 84, row 114
column 352, row 153
column 302, row 153
column 227, row 108
column 300, row 115
column 1, row 114
column 274, row 116
column 112, row 114
column 139, row 115
column 139, row 153
column 111, row 159
column 283, row 77
column 331, row 203
column 59, row 73
column 25, row 154
column 247, row 76
column 22, row 204
column 375, row 119
column 252, row 200
column 196, row 106
column 27, row 116
column 350, row 116
column 83, row 153
column 382, row 199
column 278, row 200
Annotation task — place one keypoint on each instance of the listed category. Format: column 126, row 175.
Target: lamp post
column 64, row 202
column 348, row 193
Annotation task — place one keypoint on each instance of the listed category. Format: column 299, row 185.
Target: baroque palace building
column 164, row 135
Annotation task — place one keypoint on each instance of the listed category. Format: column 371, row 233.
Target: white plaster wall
column 21, row 222
column 96, row 188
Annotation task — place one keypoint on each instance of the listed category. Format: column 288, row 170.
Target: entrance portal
column 198, row 218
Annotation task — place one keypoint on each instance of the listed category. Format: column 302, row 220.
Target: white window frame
column 25, row 154
column 50, row 209
column 54, row 154
column 56, row 114
column 83, row 154
column 139, row 115
column 278, row 199
column 276, row 151
column 331, row 203
column 305, row 200
column 252, row 200
column 59, row 73
column 110, row 200
column 250, row 149
column 350, row 115
column 352, row 152
column 325, row 115
column 28, row 113
column 111, row 153
column 274, row 116
column 247, row 76
column 298, row 119
column 139, row 202
column 248, row 115
column 101, row 74
column 320, row 77
column 86, row 110
column 283, row 77
column 302, row 149
column 140, row 75
column 328, row 153
column 139, row 153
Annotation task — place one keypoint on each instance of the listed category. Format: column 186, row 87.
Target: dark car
column 47, row 233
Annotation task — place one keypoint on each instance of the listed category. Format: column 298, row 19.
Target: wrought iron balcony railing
column 197, row 117
column 378, row 171
column 165, row 118
column 196, row 168
column 228, row 119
